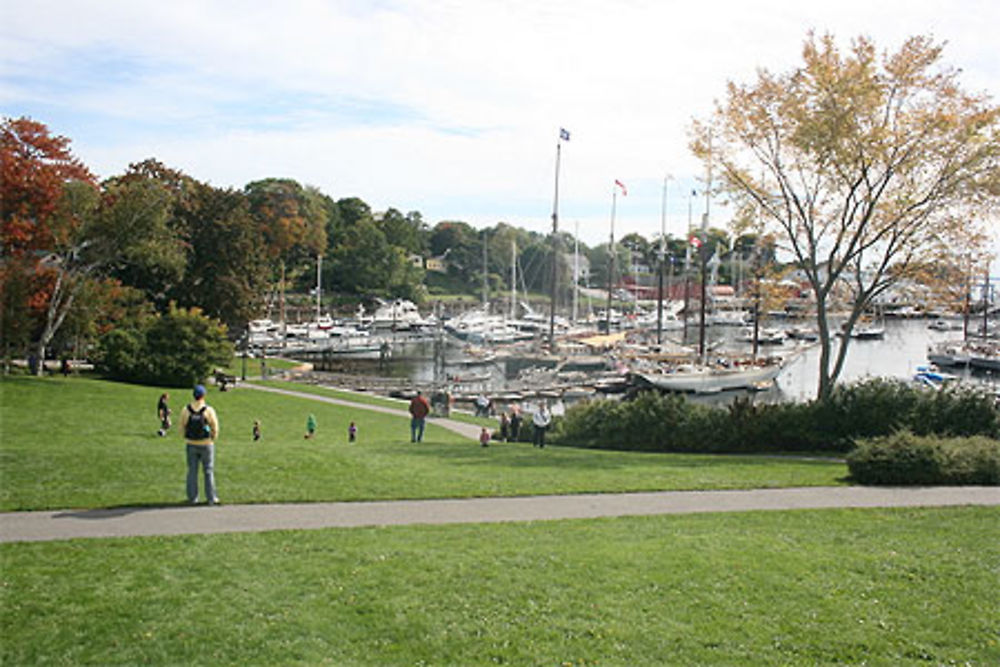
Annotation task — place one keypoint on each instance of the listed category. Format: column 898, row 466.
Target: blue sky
column 448, row 107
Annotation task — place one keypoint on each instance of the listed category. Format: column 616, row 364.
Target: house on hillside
column 437, row 264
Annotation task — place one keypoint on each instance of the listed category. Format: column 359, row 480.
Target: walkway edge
column 186, row 520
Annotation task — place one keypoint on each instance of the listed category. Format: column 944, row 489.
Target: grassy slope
column 886, row 587
column 85, row 443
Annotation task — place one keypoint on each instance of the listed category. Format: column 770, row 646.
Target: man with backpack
column 200, row 426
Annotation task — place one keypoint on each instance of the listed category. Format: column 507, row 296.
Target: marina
column 440, row 361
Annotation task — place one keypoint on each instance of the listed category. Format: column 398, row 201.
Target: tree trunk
column 59, row 305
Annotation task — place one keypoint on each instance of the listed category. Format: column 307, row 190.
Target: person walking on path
column 419, row 409
column 163, row 413
column 541, row 420
column 200, row 426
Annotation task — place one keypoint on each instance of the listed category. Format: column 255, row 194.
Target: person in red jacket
column 419, row 409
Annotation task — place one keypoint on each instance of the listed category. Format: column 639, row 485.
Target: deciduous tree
column 861, row 163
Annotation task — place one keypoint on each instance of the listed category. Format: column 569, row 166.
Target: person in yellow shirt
column 200, row 426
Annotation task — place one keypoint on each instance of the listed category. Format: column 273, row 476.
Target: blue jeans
column 416, row 430
column 205, row 456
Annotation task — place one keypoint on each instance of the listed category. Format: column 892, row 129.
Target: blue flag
column 564, row 134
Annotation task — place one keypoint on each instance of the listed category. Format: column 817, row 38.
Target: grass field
column 879, row 587
column 77, row 442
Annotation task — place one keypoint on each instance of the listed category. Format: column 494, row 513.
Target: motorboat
column 802, row 333
column 262, row 326
column 727, row 318
column 949, row 353
column 866, row 331
column 765, row 336
column 398, row 315
column 984, row 355
column 932, row 377
column 942, row 324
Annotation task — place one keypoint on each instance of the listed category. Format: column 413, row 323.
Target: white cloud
column 450, row 107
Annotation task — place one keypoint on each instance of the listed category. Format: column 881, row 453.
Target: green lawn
column 78, row 442
column 879, row 587
column 373, row 399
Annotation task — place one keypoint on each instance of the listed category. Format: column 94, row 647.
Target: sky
column 448, row 107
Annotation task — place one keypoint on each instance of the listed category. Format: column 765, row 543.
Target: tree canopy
column 863, row 164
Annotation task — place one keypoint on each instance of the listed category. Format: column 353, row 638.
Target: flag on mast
column 564, row 134
column 622, row 186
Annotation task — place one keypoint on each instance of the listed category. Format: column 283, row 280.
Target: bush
column 907, row 459
column 179, row 348
column 872, row 408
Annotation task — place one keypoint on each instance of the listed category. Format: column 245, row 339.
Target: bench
column 224, row 381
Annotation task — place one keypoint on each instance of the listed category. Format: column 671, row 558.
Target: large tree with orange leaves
column 60, row 231
column 863, row 164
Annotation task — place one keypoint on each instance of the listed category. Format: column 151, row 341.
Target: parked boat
column 765, row 336
column 802, row 333
column 941, row 324
column 949, row 353
column 868, row 332
column 984, row 355
column 399, row 315
column 932, row 377
column 711, row 378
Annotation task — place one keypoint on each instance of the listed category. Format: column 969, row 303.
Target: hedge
column 907, row 459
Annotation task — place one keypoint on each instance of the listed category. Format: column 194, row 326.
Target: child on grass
column 352, row 432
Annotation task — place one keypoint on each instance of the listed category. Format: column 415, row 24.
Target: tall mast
column 611, row 258
column 563, row 136
column 663, row 241
column 486, row 276
column 576, row 270
column 319, row 285
column 703, row 251
column 513, row 279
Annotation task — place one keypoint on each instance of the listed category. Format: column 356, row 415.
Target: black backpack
column 197, row 425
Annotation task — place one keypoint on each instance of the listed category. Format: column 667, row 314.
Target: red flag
column 695, row 241
column 622, row 186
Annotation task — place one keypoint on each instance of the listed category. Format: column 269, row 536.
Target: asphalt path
column 204, row 519
column 199, row 520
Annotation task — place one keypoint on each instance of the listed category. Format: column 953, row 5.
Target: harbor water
column 424, row 363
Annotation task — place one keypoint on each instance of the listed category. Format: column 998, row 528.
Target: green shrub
column 907, row 459
column 871, row 408
column 177, row 349
column 957, row 410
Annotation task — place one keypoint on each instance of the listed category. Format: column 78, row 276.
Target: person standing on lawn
column 540, row 420
column 200, row 426
column 163, row 412
column 515, row 423
column 419, row 409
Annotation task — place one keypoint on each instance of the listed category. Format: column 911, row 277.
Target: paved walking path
column 462, row 428
column 187, row 520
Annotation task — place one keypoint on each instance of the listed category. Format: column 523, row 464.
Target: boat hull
column 711, row 380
